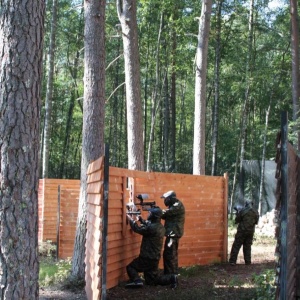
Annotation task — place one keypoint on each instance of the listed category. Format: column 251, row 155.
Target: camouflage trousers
column 245, row 239
column 149, row 267
column 141, row 264
column 170, row 256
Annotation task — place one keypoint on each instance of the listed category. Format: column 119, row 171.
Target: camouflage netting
column 267, row 224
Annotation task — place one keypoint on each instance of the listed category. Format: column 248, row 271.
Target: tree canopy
column 167, row 34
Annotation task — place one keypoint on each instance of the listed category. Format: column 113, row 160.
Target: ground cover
column 218, row 281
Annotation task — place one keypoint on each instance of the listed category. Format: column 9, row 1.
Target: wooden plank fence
column 48, row 213
column 205, row 237
column 288, row 210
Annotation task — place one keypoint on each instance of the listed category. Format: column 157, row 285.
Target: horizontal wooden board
column 94, row 199
column 95, row 165
column 95, row 187
column 94, row 209
column 94, row 177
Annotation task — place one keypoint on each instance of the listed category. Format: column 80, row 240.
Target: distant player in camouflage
column 246, row 219
column 150, row 251
column 174, row 218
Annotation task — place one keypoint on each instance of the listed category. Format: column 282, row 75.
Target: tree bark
column 295, row 64
column 21, row 44
column 93, row 116
column 73, row 98
column 127, row 16
column 200, row 89
column 217, row 90
column 154, row 102
column 49, row 93
column 238, row 197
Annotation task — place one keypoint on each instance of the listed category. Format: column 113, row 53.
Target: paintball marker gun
column 132, row 206
column 145, row 204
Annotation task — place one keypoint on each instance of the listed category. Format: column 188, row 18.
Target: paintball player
column 246, row 219
column 150, row 251
column 174, row 218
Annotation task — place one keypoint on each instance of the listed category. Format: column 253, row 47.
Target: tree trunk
column 49, row 94
column 93, row 116
column 154, row 101
column 172, row 163
column 66, row 147
column 295, row 64
column 21, row 39
column 200, row 89
column 263, row 161
column 238, row 197
column 127, row 16
column 217, row 88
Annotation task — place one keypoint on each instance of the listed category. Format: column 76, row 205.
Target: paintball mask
column 155, row 214
column 169, row 198
column 248, row 203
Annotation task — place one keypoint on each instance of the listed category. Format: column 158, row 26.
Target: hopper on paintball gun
column 132, row 207
column 145, row 204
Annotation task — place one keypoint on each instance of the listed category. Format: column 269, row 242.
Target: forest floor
column 218, row 281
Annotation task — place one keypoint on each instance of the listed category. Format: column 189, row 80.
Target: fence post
column 58, row 223
column 105, row 222
column 283, row 210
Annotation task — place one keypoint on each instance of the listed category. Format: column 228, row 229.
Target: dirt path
column 220, row 281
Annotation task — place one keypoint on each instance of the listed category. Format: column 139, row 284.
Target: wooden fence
column 288, row 209
column 58, row 200
column 205, row 235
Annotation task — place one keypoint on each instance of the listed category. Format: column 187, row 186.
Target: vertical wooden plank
column 284, row 195
column 124, row 202
column 225, row 219
column 105, row 223
column 58, row 222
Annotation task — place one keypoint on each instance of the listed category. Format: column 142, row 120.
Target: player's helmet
column 169, row 198
column 155, row 213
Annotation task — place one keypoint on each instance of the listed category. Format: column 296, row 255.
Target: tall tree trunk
column 49, row 94
column 21, row 40
column 263, row 161
column 154, row 104
column 93, row 116
column 127, row 16
column 295, row 65
column 200, row 89
column 166, row 122
column 172, row 163
column 74, row 94
column 239, row 196
column 217, row 89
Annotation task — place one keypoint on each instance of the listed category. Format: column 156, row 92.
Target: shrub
column 265, row 283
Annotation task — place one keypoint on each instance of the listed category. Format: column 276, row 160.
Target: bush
column 265, row 283
column 52, row 272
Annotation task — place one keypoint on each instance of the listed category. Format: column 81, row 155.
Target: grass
column 53, row 272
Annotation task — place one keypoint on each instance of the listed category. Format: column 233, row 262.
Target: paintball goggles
column 237, row 208
column 132, row 207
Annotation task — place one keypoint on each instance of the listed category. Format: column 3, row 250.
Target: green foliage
column 52, row 272
column 47, row 249
column 265, row 283
column 173, row 58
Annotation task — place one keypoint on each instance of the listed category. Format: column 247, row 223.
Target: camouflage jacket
column 174, row 219
column 247, row 218
column 152, row 241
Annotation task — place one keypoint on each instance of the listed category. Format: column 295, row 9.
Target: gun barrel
column 133, row 212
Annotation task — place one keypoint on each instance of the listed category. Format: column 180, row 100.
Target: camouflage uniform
column 174, row 224
column 247, row 218
column 153, row 234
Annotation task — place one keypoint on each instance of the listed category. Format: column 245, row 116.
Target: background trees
column 167, row 35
